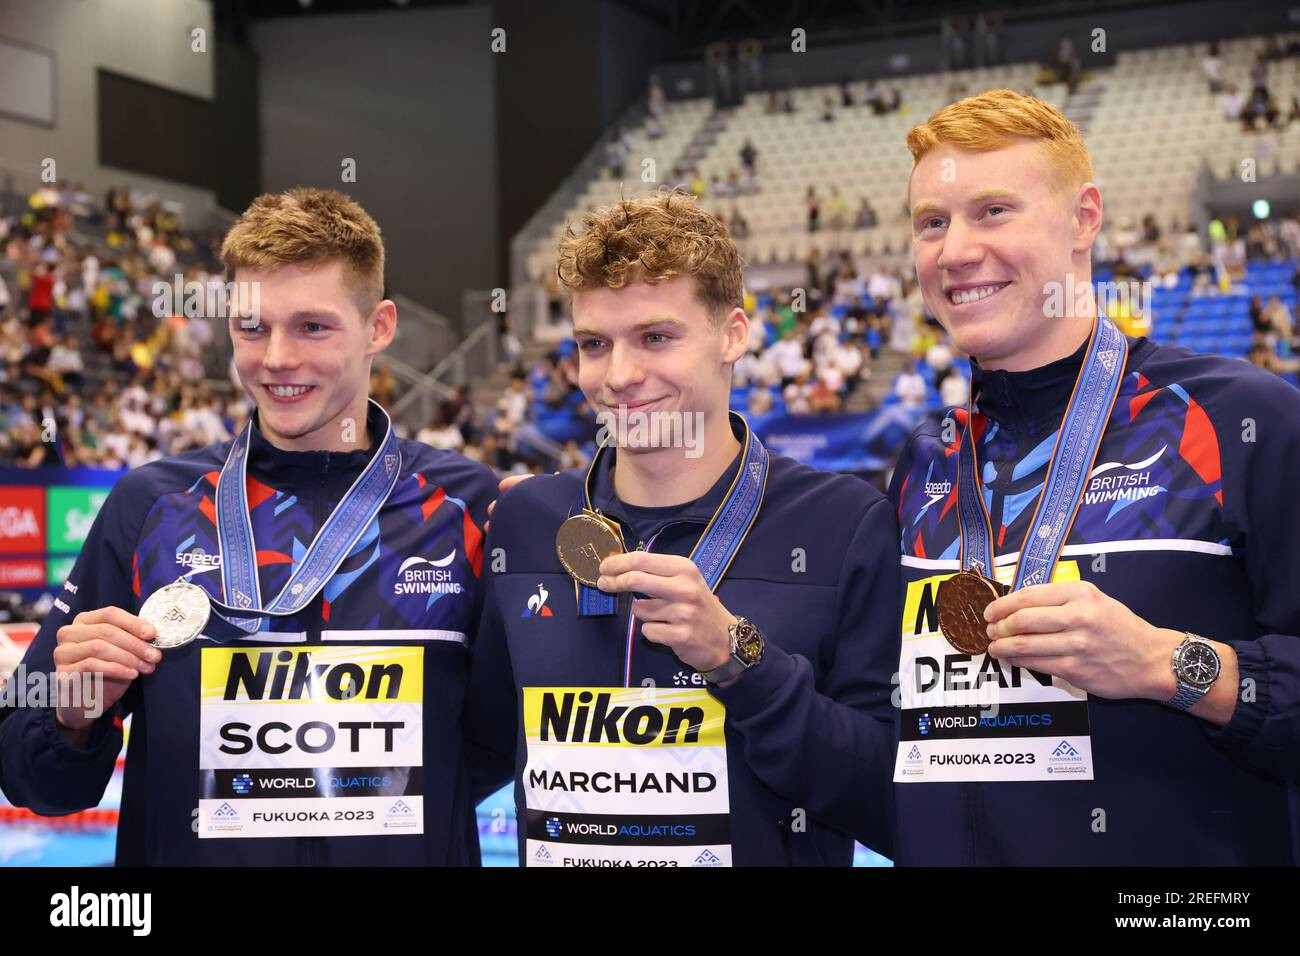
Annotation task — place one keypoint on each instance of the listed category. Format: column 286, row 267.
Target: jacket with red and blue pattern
column 158, row 524
column 1189, row 518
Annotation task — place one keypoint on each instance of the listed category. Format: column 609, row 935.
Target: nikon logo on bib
column 625, row 777
column 311, row 741
column 591, row 717
column 304, row 674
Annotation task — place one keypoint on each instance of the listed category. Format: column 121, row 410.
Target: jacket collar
column 1030, row 401
column 268, row 459
column 702, row 509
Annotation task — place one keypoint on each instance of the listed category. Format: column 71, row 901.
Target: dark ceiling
column 696, row 23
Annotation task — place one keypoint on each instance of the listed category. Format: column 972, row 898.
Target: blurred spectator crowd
column 820, row 347
column 88, row 374
column 1258, row 110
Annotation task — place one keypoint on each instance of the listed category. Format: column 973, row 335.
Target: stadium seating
column 1152, row 127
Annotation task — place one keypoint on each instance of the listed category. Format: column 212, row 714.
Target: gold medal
column 960, row 603
column 585, row 540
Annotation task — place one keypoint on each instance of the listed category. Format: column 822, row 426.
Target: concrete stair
column 486, row 391
column 884, row 369
column 697, row 147
column 1080, row 107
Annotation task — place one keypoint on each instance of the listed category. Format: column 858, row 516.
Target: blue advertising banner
column 850, row 443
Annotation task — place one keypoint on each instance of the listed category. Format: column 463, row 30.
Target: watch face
column 1198, row 665
column 749, row 644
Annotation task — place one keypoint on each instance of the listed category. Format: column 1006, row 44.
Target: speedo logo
column 422, row 576
column 198, row 558
column 584, row 717
column 286, row 675
column 936, row 491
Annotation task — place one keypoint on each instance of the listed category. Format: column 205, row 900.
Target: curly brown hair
column 658, row 237
column 309, row 225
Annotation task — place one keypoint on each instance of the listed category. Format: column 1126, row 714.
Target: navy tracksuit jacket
column 809, row 730
column 157, row 524
column 1190, row 519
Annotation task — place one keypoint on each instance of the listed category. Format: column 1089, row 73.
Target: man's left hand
column 1074, row 631
column 680, row 611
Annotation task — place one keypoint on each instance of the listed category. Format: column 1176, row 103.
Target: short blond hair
column 652, row 239
column 306, row 225
column 996, row 118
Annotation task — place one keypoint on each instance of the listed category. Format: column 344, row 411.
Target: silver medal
column 178, row 611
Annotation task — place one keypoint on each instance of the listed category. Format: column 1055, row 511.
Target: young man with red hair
column 1120, row 515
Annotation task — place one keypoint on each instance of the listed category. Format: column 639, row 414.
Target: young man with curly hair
column 701, row 634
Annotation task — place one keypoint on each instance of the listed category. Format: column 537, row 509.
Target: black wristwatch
column 746, row 651
column 1196, row 668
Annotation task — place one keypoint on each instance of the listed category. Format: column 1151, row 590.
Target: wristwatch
column 746, row 651
column 1196, row 668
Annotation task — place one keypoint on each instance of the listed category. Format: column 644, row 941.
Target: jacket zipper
column 631, row 620
column 783, row 826
column 311, row 849
column 973, row 795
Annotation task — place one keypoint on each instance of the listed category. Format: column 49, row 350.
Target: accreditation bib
column 311, row 741
column 625, row 777
column 970, row 718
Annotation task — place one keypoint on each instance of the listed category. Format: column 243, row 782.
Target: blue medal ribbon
column 722, row 537
column 1077, row 442
column 333, row 542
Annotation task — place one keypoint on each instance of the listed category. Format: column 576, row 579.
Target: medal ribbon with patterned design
column 722, row 537
column 333, row 542
column 1077, row 442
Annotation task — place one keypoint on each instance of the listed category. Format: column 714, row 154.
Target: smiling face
column 306, row 365
column 652, row 348
column 993, row 243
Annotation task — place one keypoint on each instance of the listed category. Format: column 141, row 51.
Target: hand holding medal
column 679, row 610
column 1073, row 630
column 961, row 600
column 1068, row 629
column 107, row 641
column 116, row 644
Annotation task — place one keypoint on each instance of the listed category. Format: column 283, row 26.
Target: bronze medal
column 585, row 540
column 960, row 603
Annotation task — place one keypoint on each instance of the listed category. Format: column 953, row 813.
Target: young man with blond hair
column 701, row 634
column 284, row 616
column 1119, row 515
